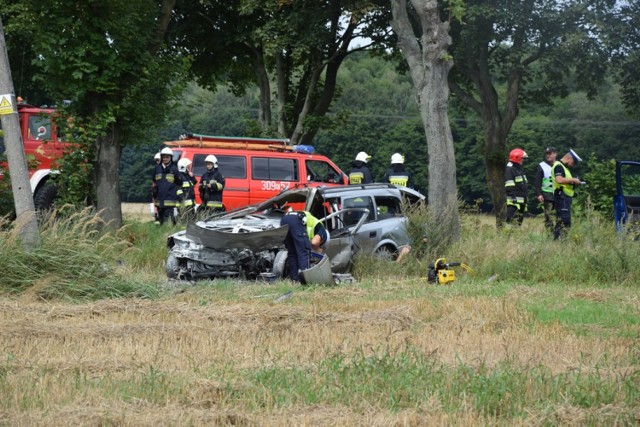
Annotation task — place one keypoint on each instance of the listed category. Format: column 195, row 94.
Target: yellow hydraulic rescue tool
column 441, row 273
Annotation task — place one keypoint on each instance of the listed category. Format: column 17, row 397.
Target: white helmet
column 211, row 159
column 397, row 158
column 157, row 156
column 183, row 164
column 166, row 151
column 363, row 157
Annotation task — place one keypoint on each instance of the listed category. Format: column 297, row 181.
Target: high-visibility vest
column 311, row 222
column 566, row 188
column 547, row 178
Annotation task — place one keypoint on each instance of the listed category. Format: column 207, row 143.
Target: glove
column 154, row 192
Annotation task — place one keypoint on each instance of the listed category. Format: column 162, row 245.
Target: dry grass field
column 192, row 359
column 522, row 342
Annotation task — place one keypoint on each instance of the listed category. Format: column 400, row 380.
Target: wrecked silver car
column 248, row 242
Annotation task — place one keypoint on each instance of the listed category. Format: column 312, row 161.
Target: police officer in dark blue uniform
column 297, row 243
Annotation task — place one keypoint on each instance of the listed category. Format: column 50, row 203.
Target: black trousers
column 563, row 215
column 297, row 244
column 515, row 212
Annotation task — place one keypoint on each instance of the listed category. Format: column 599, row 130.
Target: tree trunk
column 264, row 115
column 494, row 148
column 429, row 64
column 26, row 221
column 283, row 89
column 306, row 108
column 108, row 153
column 497, row 123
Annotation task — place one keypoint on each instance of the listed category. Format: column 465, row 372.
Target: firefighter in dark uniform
column 563, row 185
column 544, row 186
column 397, row 174
column 211, row 187
column 167, row 181
column 515, row 187
column 360, row 173
column 187, row 194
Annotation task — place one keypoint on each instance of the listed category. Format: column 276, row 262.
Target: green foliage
column 601, row 186
column 75, row 181
column 109, row 60
column 6, row 193
column 76, row 261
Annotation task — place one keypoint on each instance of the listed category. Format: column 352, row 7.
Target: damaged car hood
column 238, row 234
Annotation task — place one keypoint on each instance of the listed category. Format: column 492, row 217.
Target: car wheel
column 44, row 196
column 172, row 266
column 386, row 253
column 280, row 267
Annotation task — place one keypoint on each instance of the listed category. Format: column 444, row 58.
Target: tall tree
column 623, row 36
column 424, row 43
column 108, row 58
column 531, row 47
column 298, row 45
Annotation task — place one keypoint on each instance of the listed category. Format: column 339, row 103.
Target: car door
column 341, row 247
column 626, row 202
column 367, row 235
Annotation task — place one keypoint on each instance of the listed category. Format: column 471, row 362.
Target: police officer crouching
column 306, row 233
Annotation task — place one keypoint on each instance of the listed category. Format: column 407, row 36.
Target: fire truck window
column 265, row 168
column 39, row 128
column 230, row 166
column 319, row 171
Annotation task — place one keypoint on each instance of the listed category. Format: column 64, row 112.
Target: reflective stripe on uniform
column 356, row 178
column 401, row 180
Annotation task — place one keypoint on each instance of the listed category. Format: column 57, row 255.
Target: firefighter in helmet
column 167, row 181
column 211, row 186
column 360, row 173
column 515, row 187
column 397, row 174
column 187, row 194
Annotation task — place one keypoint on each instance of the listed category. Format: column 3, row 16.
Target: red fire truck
column 42, row 149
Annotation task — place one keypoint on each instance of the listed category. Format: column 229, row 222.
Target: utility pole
column 26, row 220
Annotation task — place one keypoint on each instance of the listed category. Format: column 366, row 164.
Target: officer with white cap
column 564, row 184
